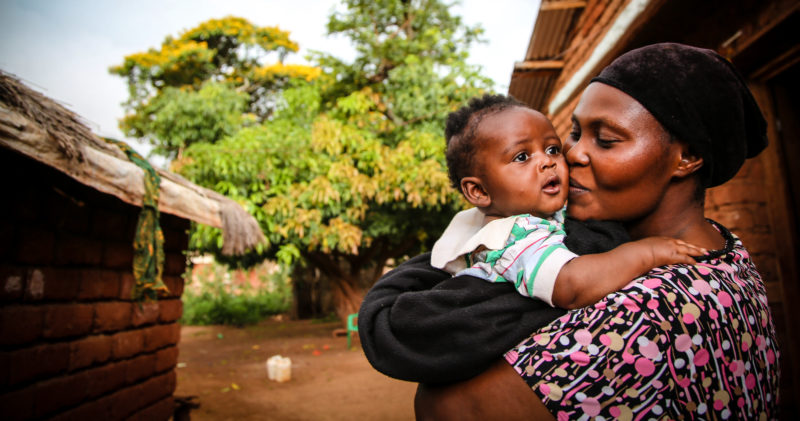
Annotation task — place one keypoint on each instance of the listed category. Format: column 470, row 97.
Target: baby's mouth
column 552, row 185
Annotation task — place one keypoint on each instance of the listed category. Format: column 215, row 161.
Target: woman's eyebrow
column 601, row 121
column 604, row 122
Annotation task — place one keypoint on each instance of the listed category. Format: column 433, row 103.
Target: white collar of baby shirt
column 468, row 231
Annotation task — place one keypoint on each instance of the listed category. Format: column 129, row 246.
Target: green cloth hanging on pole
column 148, row 242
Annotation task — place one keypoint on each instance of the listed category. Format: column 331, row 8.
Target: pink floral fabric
column 690, row 342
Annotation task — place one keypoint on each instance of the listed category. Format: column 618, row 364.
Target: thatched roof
column 36, row 126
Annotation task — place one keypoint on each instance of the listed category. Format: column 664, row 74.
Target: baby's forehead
column 514, row 118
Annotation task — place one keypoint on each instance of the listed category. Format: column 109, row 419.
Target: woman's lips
column 576, row 187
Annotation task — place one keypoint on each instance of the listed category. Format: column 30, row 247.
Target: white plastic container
column 279, row 368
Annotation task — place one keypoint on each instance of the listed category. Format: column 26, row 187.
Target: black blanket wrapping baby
column 420, row 324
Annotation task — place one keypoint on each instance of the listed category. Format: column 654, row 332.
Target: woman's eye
column 605, row 143
column 552, row 150
column 575, row 134
column 521, row 157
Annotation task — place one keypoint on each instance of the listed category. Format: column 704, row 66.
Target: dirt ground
column 225, row 367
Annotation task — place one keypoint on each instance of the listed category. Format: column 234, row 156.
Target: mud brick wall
column 73, row 345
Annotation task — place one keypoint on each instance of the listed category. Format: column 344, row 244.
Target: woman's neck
column 681, row 219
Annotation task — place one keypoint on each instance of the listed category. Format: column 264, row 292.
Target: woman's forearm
column 419, row 324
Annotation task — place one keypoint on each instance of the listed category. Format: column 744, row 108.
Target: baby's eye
column 552, row 150
column 521, row 157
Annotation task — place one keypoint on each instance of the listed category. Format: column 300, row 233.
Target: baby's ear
column 473, row 190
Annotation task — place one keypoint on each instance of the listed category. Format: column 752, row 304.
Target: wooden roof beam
column 562, row 5
column 539, row 65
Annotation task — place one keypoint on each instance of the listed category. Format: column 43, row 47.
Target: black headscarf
column 697, row 96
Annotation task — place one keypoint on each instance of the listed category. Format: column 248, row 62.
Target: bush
column 212, row 296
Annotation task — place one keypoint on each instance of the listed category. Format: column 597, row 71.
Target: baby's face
column 520, row 163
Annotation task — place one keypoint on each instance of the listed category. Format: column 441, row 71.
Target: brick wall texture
column 73, row 345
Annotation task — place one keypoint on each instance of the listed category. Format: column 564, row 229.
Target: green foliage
column 173, row 89
column 212, row 299
column 180, row 117
column 349, row 171
column 344, row 164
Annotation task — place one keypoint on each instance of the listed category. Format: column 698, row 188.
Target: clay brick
column 734, row 217
column 105, row 379
column 756, row 242
column 175, row 240
column 159, row 336
column 36, row 246
column 89, row 351
column 9, row 243
column 159, row 411
column 78, row 250
column 62, row 320
column 126, row 286
column 92, row 410
column 59, row 393
column 159, row 387
column 170, row 310
column 127, row 401
column 175, row 286
column 126, row 344
column 767, row 265
column 18, row 405
column 175, row 264
column 145, row 313
column 5, row 369
column 140, row 368
column 118, row 256
column 56, row 284
column 166, row 359
column 68, row 215
column 109, row 225
column 38, row 362
column 111, row 316
column 20, row 324
column 99, row 283
column 12, row 283
column 736, row 191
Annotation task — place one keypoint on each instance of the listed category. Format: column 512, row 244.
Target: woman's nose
column 575, row 153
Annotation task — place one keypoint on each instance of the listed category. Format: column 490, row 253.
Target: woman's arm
column 499, row 393
column 419, row 324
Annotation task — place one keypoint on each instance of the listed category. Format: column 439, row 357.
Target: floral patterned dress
column 682, row 342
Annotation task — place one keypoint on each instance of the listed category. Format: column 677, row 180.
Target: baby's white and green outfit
column 525, row 250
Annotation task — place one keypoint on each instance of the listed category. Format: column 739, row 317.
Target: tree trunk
column 347, row 297
column 344, row 283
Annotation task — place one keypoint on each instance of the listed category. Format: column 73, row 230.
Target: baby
column 507, row 161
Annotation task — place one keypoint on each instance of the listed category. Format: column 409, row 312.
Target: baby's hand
column 669, row 251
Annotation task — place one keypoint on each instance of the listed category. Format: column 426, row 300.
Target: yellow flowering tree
column 349, row 171
column 207, row 83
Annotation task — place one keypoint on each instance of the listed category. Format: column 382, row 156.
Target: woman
column 650, row 133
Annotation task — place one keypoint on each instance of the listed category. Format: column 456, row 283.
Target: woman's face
column 621, row 160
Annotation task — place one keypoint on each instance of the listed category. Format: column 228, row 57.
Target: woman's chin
column 582, row 212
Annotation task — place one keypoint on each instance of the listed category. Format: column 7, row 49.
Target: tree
column 226, row 59
column 349, row 171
